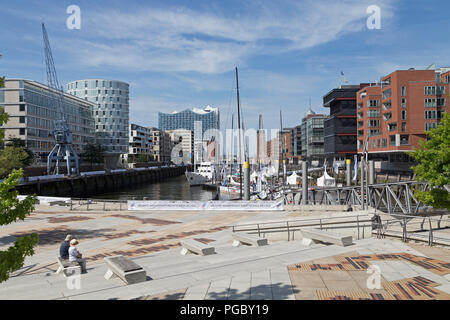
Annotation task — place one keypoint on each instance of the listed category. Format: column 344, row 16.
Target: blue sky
column 181, row 54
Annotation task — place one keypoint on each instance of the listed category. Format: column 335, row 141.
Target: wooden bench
column 191, row 245
column 127, row 270
column 66, row 268
column 248, row 239
column 326, row 236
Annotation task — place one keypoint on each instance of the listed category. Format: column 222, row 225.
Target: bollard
column 246, row 180
column 304, row 183
column 349, row 172
column 371, row 172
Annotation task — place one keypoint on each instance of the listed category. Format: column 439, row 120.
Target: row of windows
column 93, row 92
column 373, row 103
column 434, row 90
column 91, row 84
column 435, row 102
column 434, row 114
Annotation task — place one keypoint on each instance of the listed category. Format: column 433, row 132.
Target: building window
column 22, row 131
column 373, row 103
column 430, row 125
column 403, row 115
column 384, row 141
column 392, row 126
column 21, row 119
column 22, row 107
column 403, row 91
column 403, row 126
column 403, row 103
column 373, row 123
column 430, row 102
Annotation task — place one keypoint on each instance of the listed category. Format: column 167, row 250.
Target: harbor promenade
column 282, row 270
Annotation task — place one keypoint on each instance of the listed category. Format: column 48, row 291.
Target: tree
column 19, row 143
column 2, row 82
column 11, row 210
column 94, row 153
column 433, row 157
column 141, row 158
column 12, row 158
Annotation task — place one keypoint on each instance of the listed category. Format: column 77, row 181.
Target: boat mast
column 239, row 132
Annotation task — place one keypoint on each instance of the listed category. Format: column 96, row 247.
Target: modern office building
column 340, row 131
column 186, row 119
column 32, row 110
column 394, row 115
column 312, row 136
column 183, row 146
column 111, row 112
column 161, row 145
column 140, row 143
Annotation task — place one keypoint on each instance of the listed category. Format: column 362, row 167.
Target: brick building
column 394, row 115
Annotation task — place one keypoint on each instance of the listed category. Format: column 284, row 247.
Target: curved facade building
column 209, row 118
column 111, row 114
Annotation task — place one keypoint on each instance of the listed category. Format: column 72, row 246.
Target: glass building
column 111, row 112
column 312, row 135
column 32, row 111
column 186, row 119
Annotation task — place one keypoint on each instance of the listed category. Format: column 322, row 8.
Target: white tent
column 326, row 181
column 294, row 179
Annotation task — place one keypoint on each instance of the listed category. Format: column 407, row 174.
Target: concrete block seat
column 248, row 239
column 65, row 267
column 194, row 246
column 127, row 270
column 314, row 235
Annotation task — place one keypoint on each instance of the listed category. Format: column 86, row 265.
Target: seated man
column 64, row 248
column 75, row 257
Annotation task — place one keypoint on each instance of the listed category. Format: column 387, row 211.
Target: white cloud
column 182, row 40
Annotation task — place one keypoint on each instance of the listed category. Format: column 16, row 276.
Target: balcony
column 387, row 116
column 392, row 127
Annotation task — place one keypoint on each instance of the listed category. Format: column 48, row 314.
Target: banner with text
column 206, row 205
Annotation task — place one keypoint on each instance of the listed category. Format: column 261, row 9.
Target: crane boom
column 63, row 150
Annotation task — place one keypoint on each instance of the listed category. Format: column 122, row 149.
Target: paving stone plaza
column 282, row 270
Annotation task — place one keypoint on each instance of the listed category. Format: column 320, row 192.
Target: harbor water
column 176, row 188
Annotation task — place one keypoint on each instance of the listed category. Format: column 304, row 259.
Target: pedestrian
column 75, row 256
column 64, row 248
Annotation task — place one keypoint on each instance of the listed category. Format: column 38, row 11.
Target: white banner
column 206, row 205
column 47, row 200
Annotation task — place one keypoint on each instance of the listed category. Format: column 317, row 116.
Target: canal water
column 175, row 188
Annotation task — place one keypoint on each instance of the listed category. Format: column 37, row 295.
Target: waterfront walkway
column 281, row 270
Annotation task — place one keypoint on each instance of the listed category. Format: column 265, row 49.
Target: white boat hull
column 195, row 179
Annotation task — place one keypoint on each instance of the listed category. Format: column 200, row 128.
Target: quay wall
column 88, row 185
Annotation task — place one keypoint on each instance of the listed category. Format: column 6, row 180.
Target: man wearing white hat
column 75, row 257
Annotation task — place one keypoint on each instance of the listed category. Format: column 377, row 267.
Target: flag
column 355, row 168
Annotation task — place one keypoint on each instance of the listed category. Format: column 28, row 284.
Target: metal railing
column 386, row 227
column 97, row 205
column 358, row 222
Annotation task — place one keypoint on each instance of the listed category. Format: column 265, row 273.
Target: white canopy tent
column 326, row 181
column 294, row 179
